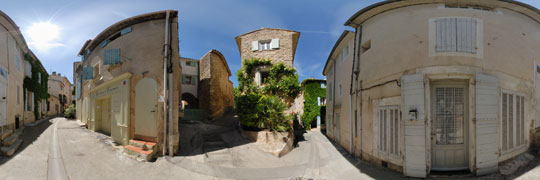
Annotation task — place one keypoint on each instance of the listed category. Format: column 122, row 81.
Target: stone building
column 128, row 84
column 216, row 90
column 455, row 87
column 278, row 45
column 59, row 94
column 300, row 102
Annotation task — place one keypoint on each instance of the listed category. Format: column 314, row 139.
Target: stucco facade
column 190, row 82
column 471, row 63
column 122, row 80
column 13, row 71
column 60, row 91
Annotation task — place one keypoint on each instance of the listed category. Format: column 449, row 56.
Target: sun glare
column 43, row 35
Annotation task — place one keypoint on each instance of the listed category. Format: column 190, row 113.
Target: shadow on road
column 29, row 135
column 200, row 137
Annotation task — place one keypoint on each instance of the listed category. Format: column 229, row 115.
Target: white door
column 146, row 108
column 3, row 97
column 449, row 127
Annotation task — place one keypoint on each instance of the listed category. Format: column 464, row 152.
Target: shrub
column 262, row 107
column 70, row 112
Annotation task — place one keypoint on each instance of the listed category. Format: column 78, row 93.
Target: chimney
column 59, row 74
column 54, row 73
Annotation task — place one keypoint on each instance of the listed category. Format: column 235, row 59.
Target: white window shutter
column 486, row 124
column 412, row 92
column 274, row 44
column 255, row 45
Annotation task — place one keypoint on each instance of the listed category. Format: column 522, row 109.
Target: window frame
column 515, row 145
column 265, row 45
column 389, row 109
column 479, row 39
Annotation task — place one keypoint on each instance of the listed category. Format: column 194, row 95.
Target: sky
column 56, row 30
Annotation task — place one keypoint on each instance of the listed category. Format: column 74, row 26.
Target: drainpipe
column 354, row 82
column 358, row 90
column 171, row 96
column 165, row 57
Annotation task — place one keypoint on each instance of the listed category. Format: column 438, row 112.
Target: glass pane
column 450, row 115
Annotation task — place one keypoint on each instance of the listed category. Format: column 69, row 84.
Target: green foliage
column 262, row 107
column 33, row 84
column 312, row 90
column 247, row 112
column 270, row 110
column 70, row 112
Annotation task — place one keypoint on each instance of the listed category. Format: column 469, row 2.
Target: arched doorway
column 146, row 109
column 192, row 101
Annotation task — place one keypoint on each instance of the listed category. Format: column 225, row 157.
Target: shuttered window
column 389, row 121
column 88, row 73
column 456, row 35
column 111, row 56
column 513, row 121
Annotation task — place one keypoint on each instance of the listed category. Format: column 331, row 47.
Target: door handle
column 153, row 111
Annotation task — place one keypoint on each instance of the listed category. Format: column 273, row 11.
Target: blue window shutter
column 125, row 30
column 104, row 43
column 88, row 73
column 111, row 56
column 194, row 80
column 183, row 79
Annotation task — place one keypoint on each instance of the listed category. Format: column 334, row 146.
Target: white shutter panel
column 486, row 124
column 412, row 92
column 255, row 45
column 274, row 44
column 466, row 35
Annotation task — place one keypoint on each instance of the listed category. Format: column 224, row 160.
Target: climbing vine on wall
column 312, row 90
column 261, row 107
column 36, row 85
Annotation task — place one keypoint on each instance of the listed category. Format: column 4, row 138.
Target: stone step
column 9, row 151
column 10, row 140
column 6, row 133
column 145, row 145
column 139, row 153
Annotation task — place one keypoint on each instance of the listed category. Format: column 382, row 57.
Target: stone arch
column 192, row 101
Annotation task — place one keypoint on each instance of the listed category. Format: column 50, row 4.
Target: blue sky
column 203, row 25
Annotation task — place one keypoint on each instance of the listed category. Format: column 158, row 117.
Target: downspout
column 165, row 57
column 351, row 104
column 171, row 99
column 355, row 76
column 358, row 90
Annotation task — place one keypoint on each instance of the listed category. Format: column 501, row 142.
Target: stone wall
column 215, row 89
column 285, row 53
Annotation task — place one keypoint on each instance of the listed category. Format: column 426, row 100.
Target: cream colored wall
column 189, row 70
column 141, row 55
column 53, row 102
column 508, row 54
column 10, row 48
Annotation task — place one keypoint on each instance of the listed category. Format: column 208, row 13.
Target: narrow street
column 90, row 155
column 83, row 154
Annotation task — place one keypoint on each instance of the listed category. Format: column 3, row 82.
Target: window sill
column 509, row 151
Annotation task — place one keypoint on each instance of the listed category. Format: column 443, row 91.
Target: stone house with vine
column 311, row 99
column 21, row 73
column 60, row 97
column 455, row 88
column 277, row 45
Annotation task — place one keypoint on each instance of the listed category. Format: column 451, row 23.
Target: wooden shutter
column 88, row 73
column 125, row 31
column 274, row 44
column 412, row 93
column 486, row 124
column 111, row 56
column 445, row 32
column 466, row 35
column 183, row 79
column 255, row 45
column 194, row 80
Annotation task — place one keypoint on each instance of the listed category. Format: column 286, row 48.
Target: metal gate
column 449, row 127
